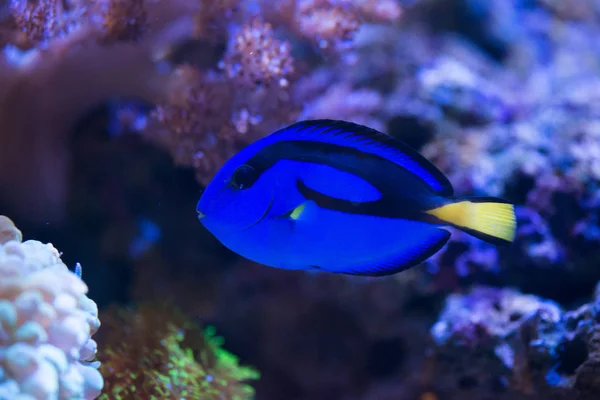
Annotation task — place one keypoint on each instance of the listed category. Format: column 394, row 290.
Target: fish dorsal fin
column 370, row 141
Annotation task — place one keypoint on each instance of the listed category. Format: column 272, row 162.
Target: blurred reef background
column 115, row 113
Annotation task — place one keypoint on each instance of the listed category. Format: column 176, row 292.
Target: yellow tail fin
column 490, row 219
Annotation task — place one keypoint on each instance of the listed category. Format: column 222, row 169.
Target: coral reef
column 501, row 344
column 502, row 95
column 577, row 353
column 54, row 45
column 254, row 88
column 482, row 345
column 156, row 352
column 525, row 129
column 46, row 324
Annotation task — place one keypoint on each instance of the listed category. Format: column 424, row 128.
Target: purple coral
column 519, row 344
column 478, row 340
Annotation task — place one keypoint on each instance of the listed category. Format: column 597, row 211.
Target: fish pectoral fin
column 304, row 211
column 298, row 211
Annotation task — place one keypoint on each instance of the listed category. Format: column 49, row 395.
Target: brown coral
column 39, row 21
column 329, row 23
column 191, row 122
column 211, row 115
column 90, row 51
column 123, row 19
column 212, row 19
column 43, row 92
column 257, row 58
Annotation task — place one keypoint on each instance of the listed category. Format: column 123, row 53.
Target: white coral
column 46, row 323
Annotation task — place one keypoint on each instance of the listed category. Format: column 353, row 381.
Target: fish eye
column 243, row 177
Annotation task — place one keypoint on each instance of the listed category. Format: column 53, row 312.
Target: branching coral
column 257, row 58
column 211, row 115
column 46, row 321
column 156, row 352
column 203, row 123
column 329, row 23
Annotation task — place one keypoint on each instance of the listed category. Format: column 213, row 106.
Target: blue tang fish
column 344, row 198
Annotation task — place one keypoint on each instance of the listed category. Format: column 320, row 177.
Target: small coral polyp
column 46, row 323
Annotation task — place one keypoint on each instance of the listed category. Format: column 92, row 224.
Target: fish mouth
column 264, row 215
column 199, row 212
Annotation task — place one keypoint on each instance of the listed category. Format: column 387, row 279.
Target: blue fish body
column 341, row 197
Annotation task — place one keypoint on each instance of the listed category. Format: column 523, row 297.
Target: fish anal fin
column 405, row 259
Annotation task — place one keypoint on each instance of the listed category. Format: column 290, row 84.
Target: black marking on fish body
column 403, row 195
column 378, row 143
column 384, row 207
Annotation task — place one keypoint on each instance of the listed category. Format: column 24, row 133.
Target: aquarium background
column 114, row 114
